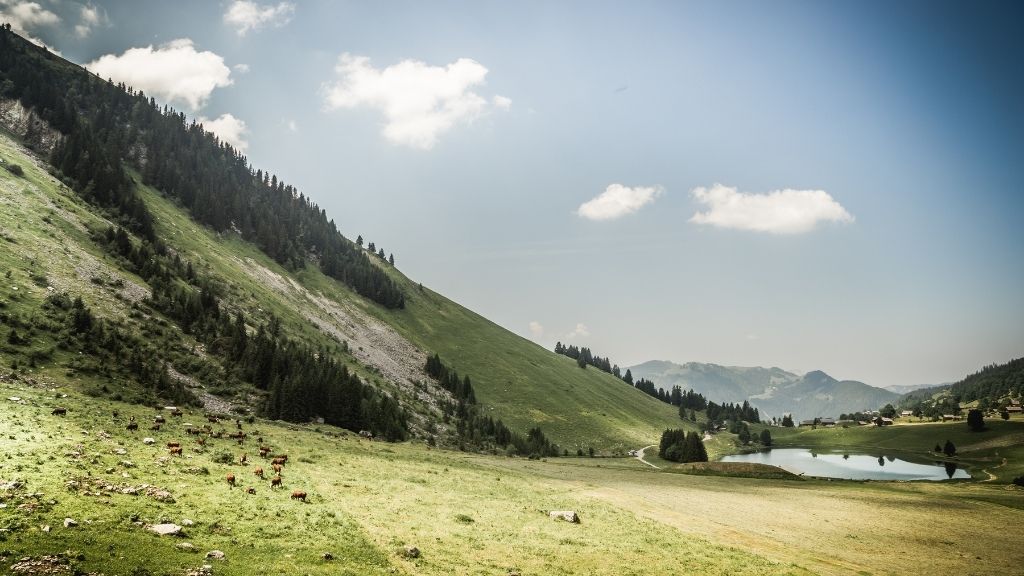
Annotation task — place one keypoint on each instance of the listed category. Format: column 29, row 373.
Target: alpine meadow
column 743, row 278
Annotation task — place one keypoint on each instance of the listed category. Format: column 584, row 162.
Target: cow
column 264, row 450
column 277, row 468
column 298, row 495
column 201, row 441
column 177, row 413
column 279, row 460
column 243, row 458
column 230, row 479
column 250, row 490
column 238, row 423
column 258, row 472
column 174, row 444
column 155, row 427
column 116, row 413
column 132, row 426
column 176, row 450
column 275, row 481
column 159, row 420
column 59, row 411
column 212, row 419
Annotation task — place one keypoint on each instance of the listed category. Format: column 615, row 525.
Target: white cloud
column 229, row 129
column 419, row 102
column 536, row 329
column 292, row 126
column 778, row 212
column 241, row 68
column 90, row 17
column 24, row 16
column 174, row 71
column 617, row 201
column 579, row 331
column 246, row 16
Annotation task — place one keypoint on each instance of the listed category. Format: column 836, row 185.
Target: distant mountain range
column 773, row 391
column 905, row 389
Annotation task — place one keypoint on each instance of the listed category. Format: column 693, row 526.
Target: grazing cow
column 260, row 439
column 277, row 468
column 231, row 479
column 243, row 458
column 59, row 411
column 174, row 444
column 264, row 450
column 159, row 420
column 279, row 460
column 116, row 413
column 132, row 426
column 176, row 450
column 258, row 472
column 275, row 481
column 155, row 427
column 299, row 495
column 177, row 413
column 238, row 423
column 250, row 490
column 212, row 419
column 201, row 441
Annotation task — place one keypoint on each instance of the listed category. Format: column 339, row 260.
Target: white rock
column 148, row 440
column 165, row 529
column 567, row 515
column 187, row 522
column 215, row 554
column 69, row 523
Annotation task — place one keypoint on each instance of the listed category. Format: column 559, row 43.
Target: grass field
column 467, row 514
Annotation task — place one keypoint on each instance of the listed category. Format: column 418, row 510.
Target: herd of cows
column 206, row 433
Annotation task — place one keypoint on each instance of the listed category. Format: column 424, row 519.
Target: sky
column 809, row 185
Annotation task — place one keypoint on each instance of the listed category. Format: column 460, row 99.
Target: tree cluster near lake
column 682, row 446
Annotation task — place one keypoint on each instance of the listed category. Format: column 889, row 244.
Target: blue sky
column 798, row 184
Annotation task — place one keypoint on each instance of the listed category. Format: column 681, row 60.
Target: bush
column 15, row 169
column 1019, row 480
column 223, row 458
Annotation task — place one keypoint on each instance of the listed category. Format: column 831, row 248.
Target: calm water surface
column 850, row 466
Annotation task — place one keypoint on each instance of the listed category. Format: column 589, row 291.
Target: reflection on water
column 851, row 466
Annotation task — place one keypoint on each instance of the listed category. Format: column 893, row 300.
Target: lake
column 850, row 466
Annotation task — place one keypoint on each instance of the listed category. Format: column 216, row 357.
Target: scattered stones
column 215, row 554
column 567, row 515
column 411, row 552
column 42, row 565
column 120, row 451
column 186, row 547
column 204, row 570
column 70, row 523
column 187, row 522
column 167, row 529
column 45, row 528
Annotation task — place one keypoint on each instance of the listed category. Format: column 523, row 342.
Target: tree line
column 678, row 445
column 108, row 128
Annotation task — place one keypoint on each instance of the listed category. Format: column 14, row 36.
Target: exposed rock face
column 27, row 125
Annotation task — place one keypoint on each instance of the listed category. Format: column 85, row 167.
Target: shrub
column 1019, row 480
column 223, row 458
column 15, row 169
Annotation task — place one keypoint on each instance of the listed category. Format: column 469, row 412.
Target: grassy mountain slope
column 518, row 381
column 772, row 390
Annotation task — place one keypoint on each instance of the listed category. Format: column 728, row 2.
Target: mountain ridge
column 773, row 391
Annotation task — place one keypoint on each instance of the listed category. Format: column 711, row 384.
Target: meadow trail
column 640, row 457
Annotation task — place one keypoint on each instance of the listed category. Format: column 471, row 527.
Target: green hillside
column 516, row 380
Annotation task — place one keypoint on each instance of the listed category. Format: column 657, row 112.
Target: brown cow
column 258, row 472
column 275, row 481
column 155, row 427
column 277, row 468
column 176, row 412
column 59, row 411
column 159, row 420
column 173, row 444
column 243, row 458
column 132, row 426
column 176, row 450
column 212, row 419
column 250, row 490
column 231, row 479
column 299, row 495
column 264, row 450
column 278, row 460
column 201, row 441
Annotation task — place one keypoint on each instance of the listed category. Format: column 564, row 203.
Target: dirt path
column 992, row 476
column 640, row 457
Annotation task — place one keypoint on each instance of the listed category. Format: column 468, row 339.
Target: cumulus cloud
column 419, row 102
column 536, row 329
column 617, row 200
column 26, row 16
column 579, row 331
column 779, row 212
column 247, row 16
column 89, row 18
column 175, row 71
column 241, row 68
column 229, row 129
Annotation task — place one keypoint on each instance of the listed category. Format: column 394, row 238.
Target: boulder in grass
column 567, row 515
column 166, row 529
column 411, row 552
column 215, row 554
column 70, row 523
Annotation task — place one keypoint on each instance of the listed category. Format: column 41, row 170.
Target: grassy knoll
column 983, row 453
column 734, row 470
